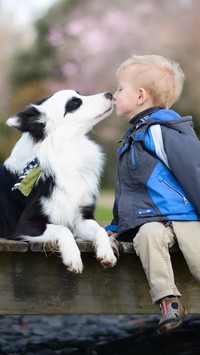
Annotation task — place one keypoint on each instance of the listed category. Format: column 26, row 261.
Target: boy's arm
column 112, row 228
column 159, row 149
column 183, row 154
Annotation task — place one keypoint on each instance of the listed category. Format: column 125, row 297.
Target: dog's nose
column 108, row 95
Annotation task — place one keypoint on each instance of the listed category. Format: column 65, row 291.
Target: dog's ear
column 22, row 119
column 29, row 120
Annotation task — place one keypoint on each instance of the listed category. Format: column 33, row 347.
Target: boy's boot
column 172, row 313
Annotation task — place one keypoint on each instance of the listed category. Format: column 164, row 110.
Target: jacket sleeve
column 182, row 148
column 114, row 224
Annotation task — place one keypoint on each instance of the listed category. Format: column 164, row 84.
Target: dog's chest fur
column 76, row 167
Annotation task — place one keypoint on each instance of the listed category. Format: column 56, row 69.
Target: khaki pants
column 152, row 244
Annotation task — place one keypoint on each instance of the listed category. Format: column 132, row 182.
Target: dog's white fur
column 75, row 162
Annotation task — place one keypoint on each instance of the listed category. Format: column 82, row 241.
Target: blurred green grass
column 104, row 206
column 103, row 214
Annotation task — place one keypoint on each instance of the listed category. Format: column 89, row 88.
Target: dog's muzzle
column 108, row 95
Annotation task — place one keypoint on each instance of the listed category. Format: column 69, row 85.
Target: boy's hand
column 112, row 234
column 114, row 242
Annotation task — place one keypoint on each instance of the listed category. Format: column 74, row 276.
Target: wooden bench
column 34, row 281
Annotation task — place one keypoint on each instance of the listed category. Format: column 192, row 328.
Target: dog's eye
column 72, row 105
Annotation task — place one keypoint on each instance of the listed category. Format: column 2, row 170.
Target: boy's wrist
column 112, row 228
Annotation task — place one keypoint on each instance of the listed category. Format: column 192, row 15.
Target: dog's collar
column 28, row 177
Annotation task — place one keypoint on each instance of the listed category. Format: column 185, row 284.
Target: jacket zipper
column 176, row 191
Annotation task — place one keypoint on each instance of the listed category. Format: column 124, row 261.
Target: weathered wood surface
column 33, row 280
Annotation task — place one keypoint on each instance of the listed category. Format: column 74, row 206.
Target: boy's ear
column 142, row 96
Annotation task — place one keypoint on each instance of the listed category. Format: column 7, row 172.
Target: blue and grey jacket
column 158, row 171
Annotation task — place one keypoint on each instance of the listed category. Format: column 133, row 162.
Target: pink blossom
column 55, row 37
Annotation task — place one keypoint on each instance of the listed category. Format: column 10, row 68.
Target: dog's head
column 66, row 109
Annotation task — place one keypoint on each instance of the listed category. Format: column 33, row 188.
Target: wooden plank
column 13, row 246
column 38, row 283
column 85, row 247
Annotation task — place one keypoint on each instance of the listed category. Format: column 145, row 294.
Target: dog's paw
column 115, row 246
column 74, row 265
column 106, row 257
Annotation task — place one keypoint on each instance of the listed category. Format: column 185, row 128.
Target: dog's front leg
column 90, row 230
column 67, row 246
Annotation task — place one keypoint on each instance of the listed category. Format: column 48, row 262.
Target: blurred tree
column 80, row 44
column 42, row 60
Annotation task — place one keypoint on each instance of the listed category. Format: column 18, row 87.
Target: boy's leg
column 188, row 238
column 152, row 244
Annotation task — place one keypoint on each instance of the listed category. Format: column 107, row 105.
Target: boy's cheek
column 118, row 112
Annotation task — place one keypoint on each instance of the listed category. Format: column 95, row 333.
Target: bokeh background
column 49, row 45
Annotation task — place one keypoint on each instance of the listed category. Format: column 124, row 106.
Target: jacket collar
column 144, row 114
column 137, row 120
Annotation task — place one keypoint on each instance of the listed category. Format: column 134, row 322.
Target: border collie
column 55, row 151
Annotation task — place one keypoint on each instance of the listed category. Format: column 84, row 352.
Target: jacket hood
column 169, row 116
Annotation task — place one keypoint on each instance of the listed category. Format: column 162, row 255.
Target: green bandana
column 28, row 182
column 27, row 177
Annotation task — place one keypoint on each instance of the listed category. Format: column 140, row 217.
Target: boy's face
column 128, row 99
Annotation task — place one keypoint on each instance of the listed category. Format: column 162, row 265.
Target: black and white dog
column 59, row 205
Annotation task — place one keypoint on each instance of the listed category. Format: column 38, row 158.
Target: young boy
column 157, row 192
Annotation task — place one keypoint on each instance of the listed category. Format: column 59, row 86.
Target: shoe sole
column 164, row 328
column 170, row 325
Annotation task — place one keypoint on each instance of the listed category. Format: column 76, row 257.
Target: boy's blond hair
column 161, row 77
